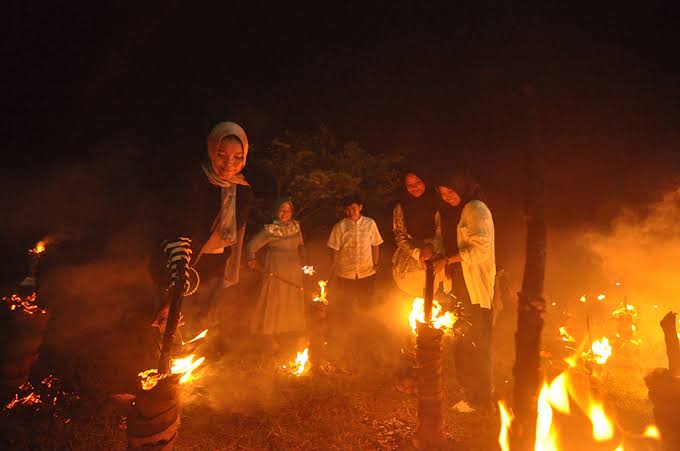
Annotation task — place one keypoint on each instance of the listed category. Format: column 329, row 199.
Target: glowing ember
column 652, row 432
column 566, row 336
column 583, row 298
column 322, row 293
column 603, row 429
column 28, row 400
column 200, row 336
column 599, row 351
column 601, row 297
column 308, row 270
column 26, row 304
column 444, row 321
column 506, row 421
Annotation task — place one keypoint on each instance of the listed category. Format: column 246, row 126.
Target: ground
column 244, row 400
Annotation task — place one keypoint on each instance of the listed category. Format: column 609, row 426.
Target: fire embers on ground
column 49, row 395
column 22, row 325
column 36, row 411
column 313, row 354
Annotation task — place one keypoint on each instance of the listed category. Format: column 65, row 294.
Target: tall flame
column 603, row 429
column 301, row 361
column 546, row 438
column 322, row 292
column 506, row 421
column 558, row 394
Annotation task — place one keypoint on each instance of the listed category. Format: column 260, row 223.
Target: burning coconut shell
column 154, row 416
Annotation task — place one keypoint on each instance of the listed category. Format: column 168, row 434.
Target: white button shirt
column 353, row 241
column 476, row 245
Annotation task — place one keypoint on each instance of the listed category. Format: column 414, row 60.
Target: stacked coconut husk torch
column 430, row 428
column 23, row 321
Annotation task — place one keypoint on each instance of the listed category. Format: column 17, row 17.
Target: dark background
column 102, row 102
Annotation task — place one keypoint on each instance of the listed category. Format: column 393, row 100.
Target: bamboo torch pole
column 430, row 429
column 531, row 304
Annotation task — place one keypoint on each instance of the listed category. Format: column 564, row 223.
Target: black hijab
column 468, row 190
column 419, row 211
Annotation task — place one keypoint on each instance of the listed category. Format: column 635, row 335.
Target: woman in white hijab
column 213, row 212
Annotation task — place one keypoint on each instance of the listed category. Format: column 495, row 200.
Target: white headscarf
column 225, row 233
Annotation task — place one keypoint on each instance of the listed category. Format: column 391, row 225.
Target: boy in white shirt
column 355, row 241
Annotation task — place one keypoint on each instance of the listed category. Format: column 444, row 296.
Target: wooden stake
column 531, row 303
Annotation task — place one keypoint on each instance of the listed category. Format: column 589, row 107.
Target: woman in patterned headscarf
column 280, row 306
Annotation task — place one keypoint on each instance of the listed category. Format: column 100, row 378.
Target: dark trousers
column 473, row 352
column 349, row 294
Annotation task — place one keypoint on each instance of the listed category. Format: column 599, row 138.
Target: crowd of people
column 443, row 219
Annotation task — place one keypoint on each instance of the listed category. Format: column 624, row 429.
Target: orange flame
column 444, row 321
column 39, row 247
column 322, row 294
column 599, row 351
column 506, row 421
column 546, row 437
column 603, row 429
column 200, row 336
column 301, row 362
column 652, row 432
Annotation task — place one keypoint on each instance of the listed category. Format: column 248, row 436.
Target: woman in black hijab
column 416, row 231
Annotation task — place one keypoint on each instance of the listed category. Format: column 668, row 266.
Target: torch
column 30, row 283
column 179, row 254
column 154, row 412
column 430, row 429
column 22, row 326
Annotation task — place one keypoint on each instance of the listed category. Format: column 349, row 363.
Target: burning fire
column 652, row 432
column 566, row 336
column 599, row 351
column 546, row 437
column 308, row 270
column 603, row 429
column 26, row 304
column 200, row 336
column 184, row 366
column 300, row 365
column 322, row 293
column 39, row 247
column 506, row 421
column 443, row 321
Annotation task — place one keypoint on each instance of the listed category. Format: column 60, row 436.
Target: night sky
column 82, row 80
